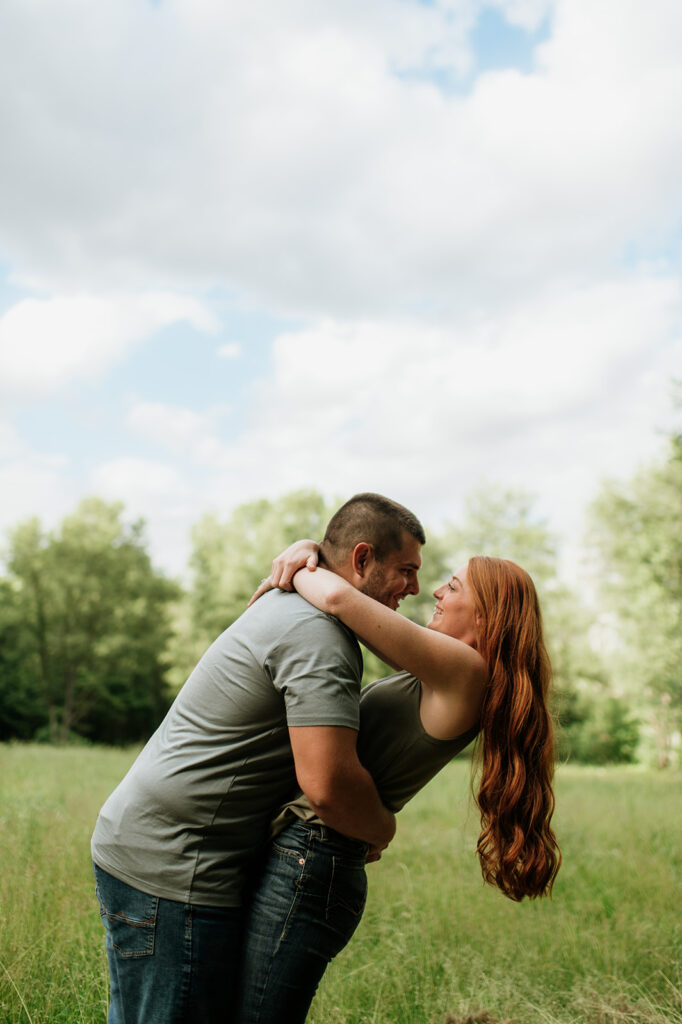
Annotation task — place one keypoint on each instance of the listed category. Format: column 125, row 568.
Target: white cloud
column 11, row 445
column 136, row 480
column 528, row 14
column 200, row 153
column 550, row 397
column 230, row 351
column 182, row 431
column 457, row 261
column 45, row 343
column 158, row 493
column 31, row 485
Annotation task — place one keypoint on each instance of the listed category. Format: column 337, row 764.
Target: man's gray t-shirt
column 196, row 805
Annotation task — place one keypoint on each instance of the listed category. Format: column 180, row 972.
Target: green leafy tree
column 22, row 709
column 94, row 616
column 228, row 561
column 502, row 523
column 636, row 541
column 603, row 730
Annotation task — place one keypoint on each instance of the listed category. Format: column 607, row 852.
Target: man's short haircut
column 372, row 518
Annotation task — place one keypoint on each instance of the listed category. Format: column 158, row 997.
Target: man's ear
column 362, row 558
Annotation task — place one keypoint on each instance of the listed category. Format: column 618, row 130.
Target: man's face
column 396, row 577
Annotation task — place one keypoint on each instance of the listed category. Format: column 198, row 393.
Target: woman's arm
column 438, row 660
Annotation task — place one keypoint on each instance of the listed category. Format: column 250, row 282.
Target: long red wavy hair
column 517, row 847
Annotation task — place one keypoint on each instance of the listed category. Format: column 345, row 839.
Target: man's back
column 196, row 805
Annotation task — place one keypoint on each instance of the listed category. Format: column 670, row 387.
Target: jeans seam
column 296, row 900
column 188, row 965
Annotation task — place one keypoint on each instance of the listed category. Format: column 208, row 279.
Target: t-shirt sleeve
column 317, row 667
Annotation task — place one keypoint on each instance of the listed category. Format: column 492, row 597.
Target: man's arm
column 340, row 791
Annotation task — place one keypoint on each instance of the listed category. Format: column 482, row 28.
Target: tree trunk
column 67, row 713
column 54, row 723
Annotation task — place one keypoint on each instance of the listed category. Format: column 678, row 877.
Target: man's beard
column 375, row 585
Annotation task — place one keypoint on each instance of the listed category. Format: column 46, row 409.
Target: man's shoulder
column 281, row 621
column 294, row 619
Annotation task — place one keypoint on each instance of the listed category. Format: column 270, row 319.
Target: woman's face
column 455, row 612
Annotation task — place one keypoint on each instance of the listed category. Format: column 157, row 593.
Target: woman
column 480, row 665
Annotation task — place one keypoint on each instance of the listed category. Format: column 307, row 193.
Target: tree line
column 95, row 641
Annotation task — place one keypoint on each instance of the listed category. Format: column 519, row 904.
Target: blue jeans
column 169, row 963
column 307, row 902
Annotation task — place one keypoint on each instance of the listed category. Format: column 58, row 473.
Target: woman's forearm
column 379, row 627
column 326, row 590
column 433, row 657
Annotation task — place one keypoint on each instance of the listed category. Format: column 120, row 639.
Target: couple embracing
column 230, row 861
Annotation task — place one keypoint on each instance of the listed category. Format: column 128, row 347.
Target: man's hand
column 340, row 791
column 300, row 554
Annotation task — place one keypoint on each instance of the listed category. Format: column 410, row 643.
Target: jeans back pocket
column 348, row 888
column 129, row 915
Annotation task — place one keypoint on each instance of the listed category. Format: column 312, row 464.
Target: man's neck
column 344, row 571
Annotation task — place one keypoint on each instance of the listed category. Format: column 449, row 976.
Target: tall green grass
column 52, row 967
column 435, row 943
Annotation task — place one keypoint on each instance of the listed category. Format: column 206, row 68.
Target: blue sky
column 409, row 247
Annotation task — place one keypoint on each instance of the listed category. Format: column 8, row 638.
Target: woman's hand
column 300, row 554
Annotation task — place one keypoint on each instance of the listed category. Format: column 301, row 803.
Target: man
column 274, row 700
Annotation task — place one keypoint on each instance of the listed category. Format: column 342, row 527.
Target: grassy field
column 435, row 944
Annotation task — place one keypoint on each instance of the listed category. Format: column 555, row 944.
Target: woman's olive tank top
column 392, row 745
